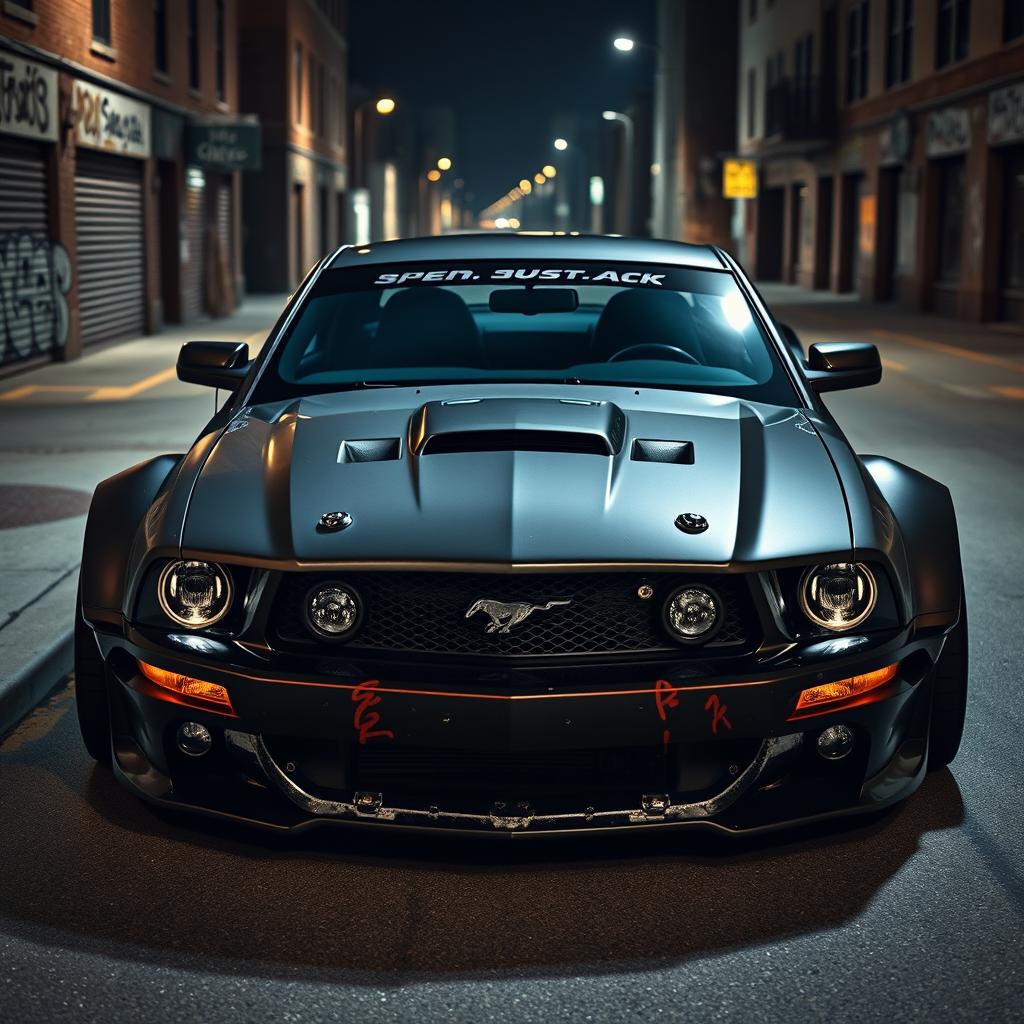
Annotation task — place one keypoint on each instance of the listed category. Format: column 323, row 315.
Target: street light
column 385, row 105
column 627, row 161
column 549, row 171
column 444, row 163
column 561, row 144
column 624, row 43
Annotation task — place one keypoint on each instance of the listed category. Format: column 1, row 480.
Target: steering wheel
column 654, row 350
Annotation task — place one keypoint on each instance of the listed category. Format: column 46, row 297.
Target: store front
column 113, row 143
column 35, row 273
column 1006, row 135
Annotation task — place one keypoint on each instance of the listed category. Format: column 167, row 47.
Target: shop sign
column 1006, row 114
column 221, row 146
column 739, row 179
column 109, row 121
column 28, row 98
column 949, row 131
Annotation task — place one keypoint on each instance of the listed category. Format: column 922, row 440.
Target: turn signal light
column 845, row 691
column 185, row 690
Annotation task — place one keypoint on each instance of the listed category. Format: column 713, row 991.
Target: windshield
column 544, row 322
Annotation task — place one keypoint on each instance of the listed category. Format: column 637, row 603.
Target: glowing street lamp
column 385, row 105
column 444, row 163
column 539, row 178
column 561, row 144
column 433, row 174
column 549, row 171
column 623, row 43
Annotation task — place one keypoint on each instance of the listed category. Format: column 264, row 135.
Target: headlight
column 839, row 596
column 194, row 594
column 693, row 614
column 333, row 610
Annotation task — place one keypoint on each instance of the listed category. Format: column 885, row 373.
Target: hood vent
column 378, row 449
column 678, row 452
column 513, row 440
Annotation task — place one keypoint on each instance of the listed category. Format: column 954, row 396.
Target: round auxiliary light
column 194, row 739
column 835, row 742
column 838, row 596
column 693, row 614
column 194, row 594
column 333, row 610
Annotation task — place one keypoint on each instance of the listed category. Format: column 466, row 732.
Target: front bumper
column 522, row 753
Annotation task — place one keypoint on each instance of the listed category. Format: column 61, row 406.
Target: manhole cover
column 25, row 505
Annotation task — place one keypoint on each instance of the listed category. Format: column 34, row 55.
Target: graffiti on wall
column 35, row 277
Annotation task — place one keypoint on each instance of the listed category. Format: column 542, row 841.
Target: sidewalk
column 63, row 428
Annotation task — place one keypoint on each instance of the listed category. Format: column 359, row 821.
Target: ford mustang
column 520, row 536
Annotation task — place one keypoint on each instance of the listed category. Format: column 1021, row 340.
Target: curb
column 20, row 693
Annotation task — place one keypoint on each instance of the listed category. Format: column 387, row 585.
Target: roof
column 495, row 245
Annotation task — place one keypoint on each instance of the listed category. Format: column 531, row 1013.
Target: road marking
column 892, row 364
column 34, row 389
column 952, row 350
column 115, row 394
column 1009, row 392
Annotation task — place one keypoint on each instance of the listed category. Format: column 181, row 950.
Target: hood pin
column 691, row 522
column 332, row 522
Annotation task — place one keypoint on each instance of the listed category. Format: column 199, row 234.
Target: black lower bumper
column 726, row 754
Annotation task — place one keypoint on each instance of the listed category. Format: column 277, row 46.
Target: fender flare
column 118, row 506
column 924, row 511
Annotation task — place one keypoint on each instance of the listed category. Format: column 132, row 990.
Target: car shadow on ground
column 89, row 867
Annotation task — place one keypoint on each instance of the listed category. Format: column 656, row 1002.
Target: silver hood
column 518, row 476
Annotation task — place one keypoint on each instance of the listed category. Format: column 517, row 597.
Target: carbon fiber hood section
column 760, row 475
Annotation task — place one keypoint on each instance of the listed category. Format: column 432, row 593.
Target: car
column 520, row 536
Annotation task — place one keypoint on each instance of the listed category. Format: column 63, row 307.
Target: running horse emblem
column 506, row 616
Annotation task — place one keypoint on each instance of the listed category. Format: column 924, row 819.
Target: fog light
column 333, row 610
column 835, row 742
column 194, row 739
column 693, row 614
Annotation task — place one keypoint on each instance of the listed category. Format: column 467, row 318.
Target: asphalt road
column 111, row 911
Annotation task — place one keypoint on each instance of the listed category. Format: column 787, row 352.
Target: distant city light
column 501, row 222
column 433, row 174
column 549, row 170
column 539, row 178
column 525, row 186
column 385, row 105
column 624, row 43
column 513, row 222
column 561, row 144
column 655, row 169
column 459, row 183
column 444, row 163
column 597, row 190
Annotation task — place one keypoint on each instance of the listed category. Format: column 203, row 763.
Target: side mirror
column 214, row 364
column 838, row 365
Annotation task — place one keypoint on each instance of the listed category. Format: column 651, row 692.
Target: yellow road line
column 115, row 394
column 1009, row 392
column 952, row 350
column 892, row 364
column 33, row 389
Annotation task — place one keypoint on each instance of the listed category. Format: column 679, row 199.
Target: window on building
column 858, row 28
column 900, row 43
column 773, row 85
column 101, row 21
column 312, row 92
column 953, row 32
column 803, row 76
column 952, row 185
column 298, row 83
column 751, row 103
column 160, row 35
column 1013, row 20
column 221, row 43
column 193, row 44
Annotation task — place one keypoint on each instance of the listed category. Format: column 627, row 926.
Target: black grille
column 425, row 612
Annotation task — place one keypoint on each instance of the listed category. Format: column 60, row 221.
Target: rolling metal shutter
column 224, row 222
column 192, row 271
column 110, row 230
column 23, row 210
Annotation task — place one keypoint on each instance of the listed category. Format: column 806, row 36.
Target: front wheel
column 949, row 696
column 91, row 699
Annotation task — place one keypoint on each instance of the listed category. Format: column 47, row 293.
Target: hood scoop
column 509, row 425
column 648, row 450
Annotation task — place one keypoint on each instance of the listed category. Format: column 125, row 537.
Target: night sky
column 508, row 70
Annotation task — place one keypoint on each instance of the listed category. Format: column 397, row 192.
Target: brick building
column 295, row 209
column 889, row 137
column 119, row 201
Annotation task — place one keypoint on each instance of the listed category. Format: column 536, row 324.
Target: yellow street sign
column 739, row 179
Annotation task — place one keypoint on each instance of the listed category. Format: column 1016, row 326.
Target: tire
column 949, row 696
column 91, row 699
